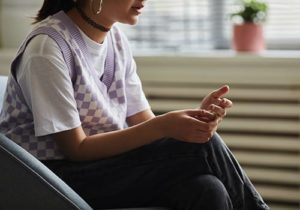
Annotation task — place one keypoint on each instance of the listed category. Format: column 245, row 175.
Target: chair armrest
column 28, row 184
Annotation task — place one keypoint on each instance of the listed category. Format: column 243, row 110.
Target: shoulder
column 118, row 35
column 42, row 54
column 42, row 45
column 120, row 40
column 117, row 32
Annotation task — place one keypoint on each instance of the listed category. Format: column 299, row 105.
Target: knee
column 217, row 139
column 213, row 187
column 216, row 143
column 205, row 192
column 215, row 193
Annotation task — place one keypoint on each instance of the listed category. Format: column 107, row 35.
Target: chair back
column 28, row 184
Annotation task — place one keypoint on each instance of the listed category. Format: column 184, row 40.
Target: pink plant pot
column 248, row 37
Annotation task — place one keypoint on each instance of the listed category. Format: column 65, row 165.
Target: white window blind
column 282, row 28
column 199, row 25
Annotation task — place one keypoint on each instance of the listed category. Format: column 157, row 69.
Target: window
column 199, row 25
column 283, row 26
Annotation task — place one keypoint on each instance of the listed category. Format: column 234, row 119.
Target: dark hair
column 51, row 7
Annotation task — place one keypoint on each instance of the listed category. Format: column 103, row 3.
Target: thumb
column 200, row 113
column 220, row 92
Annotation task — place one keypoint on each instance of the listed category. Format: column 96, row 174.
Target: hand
column 215, row 103
column 193, row 125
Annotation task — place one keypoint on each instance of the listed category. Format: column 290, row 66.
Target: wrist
column 159, row 124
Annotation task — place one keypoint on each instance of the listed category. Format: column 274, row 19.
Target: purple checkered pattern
column 101, row 104
column 95, row 116
column 17, row 123
column 116, row 91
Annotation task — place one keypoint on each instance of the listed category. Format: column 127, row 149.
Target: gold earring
column 99, row 7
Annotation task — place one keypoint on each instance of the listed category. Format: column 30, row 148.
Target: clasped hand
column 198, row 125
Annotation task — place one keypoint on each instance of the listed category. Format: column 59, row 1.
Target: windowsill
column 226, row 54
column 226, row 57
column 10, row 52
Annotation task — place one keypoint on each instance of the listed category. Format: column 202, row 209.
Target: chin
column 131, row 21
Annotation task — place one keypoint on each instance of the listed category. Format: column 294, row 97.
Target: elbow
column 74, row 153
column 74, row 156
column 77, row 154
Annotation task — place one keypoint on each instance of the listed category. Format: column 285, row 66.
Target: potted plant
column 248, row 30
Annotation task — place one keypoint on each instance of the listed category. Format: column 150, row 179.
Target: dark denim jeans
column 166, row 173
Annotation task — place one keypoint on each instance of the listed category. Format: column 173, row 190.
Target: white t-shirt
column 47, row 86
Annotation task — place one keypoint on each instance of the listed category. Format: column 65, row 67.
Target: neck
column 92, row 32
column 90, row 21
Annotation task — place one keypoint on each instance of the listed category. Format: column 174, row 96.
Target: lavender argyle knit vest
column 101, row 103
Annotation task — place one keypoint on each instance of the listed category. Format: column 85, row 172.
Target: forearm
column 140, row 117
column 185, row 125
column 117, row 142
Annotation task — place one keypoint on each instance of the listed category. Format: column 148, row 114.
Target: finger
column 197, row 125
column 220, row 92
column 201, row 138
column 225, row 103
column 200, row 114
column 216, row 101
column 219, row 111
column 196, row 138
column 208, row 127
column 206, row 119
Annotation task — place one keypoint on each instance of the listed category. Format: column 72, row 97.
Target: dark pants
column 166, row 173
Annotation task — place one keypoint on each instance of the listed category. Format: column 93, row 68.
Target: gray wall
column 15, row 20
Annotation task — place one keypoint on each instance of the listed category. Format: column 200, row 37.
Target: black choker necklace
column 90, row 21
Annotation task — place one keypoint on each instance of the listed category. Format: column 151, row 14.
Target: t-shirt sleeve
column 47, row 87
column 136, row 99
